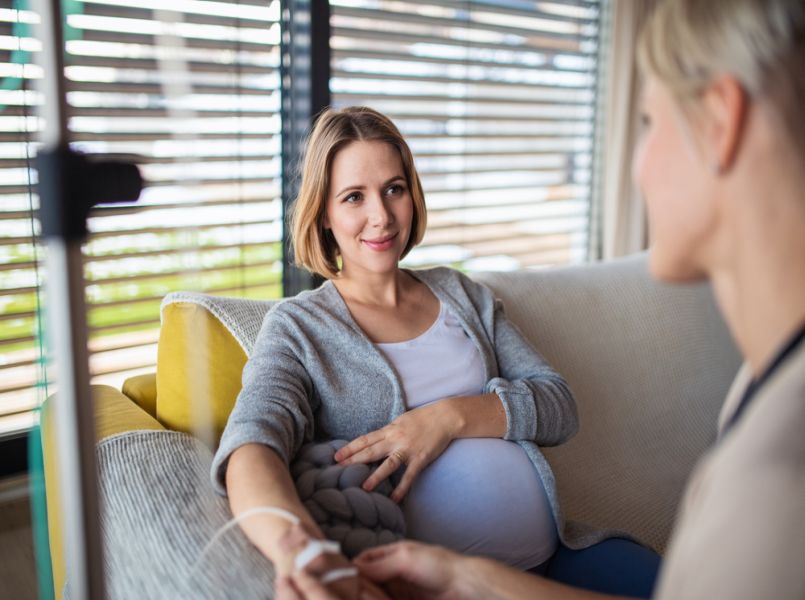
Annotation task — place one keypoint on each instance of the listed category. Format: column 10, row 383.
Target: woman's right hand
column 291, row 543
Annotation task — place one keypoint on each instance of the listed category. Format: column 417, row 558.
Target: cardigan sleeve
column 273, row 407
column 538, row 402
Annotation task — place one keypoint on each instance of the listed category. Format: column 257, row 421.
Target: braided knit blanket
column 345, row 512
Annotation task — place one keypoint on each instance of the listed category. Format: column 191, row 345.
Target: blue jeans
column 614, row 566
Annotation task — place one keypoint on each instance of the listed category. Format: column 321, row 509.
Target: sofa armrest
column 142, row 389
column 114, row 413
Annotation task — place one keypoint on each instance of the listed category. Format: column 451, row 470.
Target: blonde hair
column 314, row 247
column 687, row 43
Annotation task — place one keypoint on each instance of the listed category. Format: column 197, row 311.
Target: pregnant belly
column 483, row 497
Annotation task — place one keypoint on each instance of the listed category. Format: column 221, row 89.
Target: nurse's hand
column 303, row 586
column 414, row 570
column 414, row 439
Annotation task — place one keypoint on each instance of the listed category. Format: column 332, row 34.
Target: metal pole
column 73, row 421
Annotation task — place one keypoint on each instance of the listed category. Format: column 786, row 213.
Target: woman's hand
column 414, row 439
column 293, row 541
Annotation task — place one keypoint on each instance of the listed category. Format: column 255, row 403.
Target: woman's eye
column 394, row 190
column 352, row 198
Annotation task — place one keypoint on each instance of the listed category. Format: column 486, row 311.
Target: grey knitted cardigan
column 315, row 375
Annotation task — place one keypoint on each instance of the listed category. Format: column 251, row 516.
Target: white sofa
column 649, row 364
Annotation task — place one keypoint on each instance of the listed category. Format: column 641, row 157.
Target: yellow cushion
column 143, row 390
column 114, row 413
column 199, row 366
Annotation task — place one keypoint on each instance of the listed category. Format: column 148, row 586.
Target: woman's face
column 672, row 173
column 369, row 207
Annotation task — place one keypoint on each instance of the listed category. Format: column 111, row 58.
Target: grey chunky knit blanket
column 345, row 512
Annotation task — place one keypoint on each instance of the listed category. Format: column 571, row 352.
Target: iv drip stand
column 69, row 185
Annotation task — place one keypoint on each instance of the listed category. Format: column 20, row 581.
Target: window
column 497, row 100
column 189, row 87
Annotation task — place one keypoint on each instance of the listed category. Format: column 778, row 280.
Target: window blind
column 19, row 255
column 497, row 101
column 191, row 89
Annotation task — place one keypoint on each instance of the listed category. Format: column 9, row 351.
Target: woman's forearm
column 256, row 476
column 476, row 416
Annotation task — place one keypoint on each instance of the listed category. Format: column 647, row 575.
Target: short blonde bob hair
column 688, row 43
column 314, row 247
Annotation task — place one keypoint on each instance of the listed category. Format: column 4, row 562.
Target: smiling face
column 369, row 207
column 675, row 179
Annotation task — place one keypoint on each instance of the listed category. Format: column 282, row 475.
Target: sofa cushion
column 142, row 389
column 204, row 342
column 159, row 518
column 114, row 414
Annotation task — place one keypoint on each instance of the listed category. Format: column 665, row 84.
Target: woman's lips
column 381, row 244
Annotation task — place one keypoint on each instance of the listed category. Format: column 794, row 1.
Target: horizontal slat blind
column 191, row 89
column 20, row 256
column 497, row 101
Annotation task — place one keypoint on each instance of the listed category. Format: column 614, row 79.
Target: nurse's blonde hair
column 688, row 43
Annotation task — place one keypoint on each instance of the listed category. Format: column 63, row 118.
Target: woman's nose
column 380, row 215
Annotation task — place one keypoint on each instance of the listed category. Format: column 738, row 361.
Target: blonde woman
column 722, row 168
column 421, row 369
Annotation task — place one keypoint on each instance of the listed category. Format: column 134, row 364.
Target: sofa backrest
column 204, row 342
column 649, row 364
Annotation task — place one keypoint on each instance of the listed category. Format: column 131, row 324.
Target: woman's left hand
column 414, row 439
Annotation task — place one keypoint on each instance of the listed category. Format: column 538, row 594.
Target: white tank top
column 482, row 496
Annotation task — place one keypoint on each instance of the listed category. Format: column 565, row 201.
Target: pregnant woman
column 421, row 369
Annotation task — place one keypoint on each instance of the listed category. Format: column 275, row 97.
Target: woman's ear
column 726, row 104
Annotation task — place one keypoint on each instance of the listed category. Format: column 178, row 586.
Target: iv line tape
column 337, row 574
column 313, row 549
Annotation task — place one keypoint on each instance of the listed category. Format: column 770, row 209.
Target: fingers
column 309, row 588
column 370, row 591
column 407, row 479
column 429, row 571
column 394, row 461
column 360, row 449
column 381, row 563
column 377, row 552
